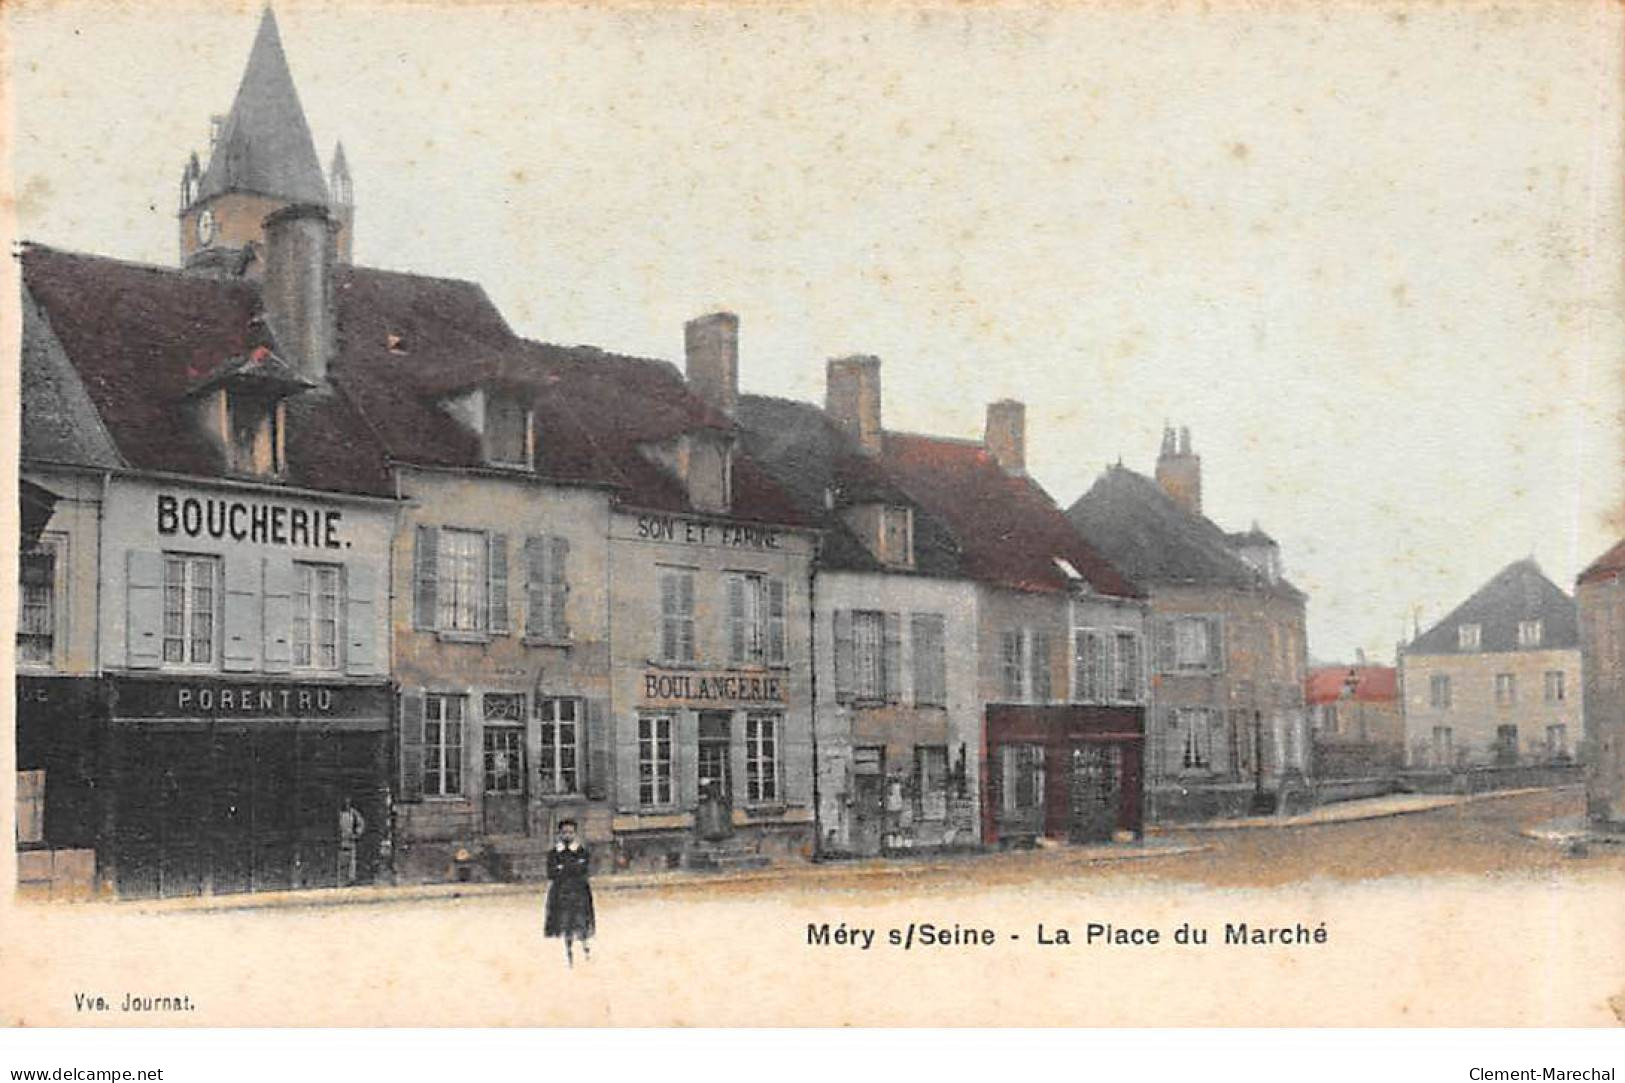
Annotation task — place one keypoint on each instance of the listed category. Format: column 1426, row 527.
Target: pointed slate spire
column 265, row 144
column 338, row 178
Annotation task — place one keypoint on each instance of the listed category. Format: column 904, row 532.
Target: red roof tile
column 1009, row 529
column 1607, row 566
column 1373, row 684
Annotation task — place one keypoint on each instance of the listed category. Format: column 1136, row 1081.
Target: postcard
column 881, row 515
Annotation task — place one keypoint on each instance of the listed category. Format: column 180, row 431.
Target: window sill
column 548, row 641
column 777, row 808
column 463, row 637
column 561, row 798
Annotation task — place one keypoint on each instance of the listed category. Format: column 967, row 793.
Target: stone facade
column 1600, row 595
column 1459, row 712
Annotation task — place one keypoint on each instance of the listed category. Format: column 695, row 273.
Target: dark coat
column 569, row 898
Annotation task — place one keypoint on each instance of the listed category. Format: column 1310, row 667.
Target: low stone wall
column 56, row 874
column 1330, row 791
column 1489, row 779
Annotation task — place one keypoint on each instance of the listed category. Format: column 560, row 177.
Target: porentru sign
column 258, row 521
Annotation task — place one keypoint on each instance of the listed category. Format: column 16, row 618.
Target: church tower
column 1179, row 470
column 261, row 161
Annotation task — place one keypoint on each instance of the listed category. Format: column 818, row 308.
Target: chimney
column 297, row 290
column 1179, row 472
column 1006, row 436
column 852, row 399
column 711, row 354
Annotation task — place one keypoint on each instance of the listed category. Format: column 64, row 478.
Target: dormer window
column 897, row 536
column 1529, row 633
column 508, row 436
column 709, row 472
column 241, row 407
column 1467, row 637
column 256, row 427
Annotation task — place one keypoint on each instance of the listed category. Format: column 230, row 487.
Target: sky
column 1370, row 253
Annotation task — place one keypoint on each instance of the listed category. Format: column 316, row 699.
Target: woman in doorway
column 569, row 897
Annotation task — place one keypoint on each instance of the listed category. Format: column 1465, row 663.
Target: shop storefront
column 1065, row 772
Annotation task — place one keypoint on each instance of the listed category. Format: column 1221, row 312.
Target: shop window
column 460, row 581
column 928, row 632
column 443, row 745
column 1506, row 689
column 560, row 722
column 762, row 757
column 868, row 651
column 1439, row 692
column 756, row 606
column 1022, row 779
column 547, row 588
column 191, row 609
column 316, row 599
column 39, row 603
column 655, row 761
column 1555, row 692
column 676, row 615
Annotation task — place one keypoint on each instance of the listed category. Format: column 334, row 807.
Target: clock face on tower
column 205, row 228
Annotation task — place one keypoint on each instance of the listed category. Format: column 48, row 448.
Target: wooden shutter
column 843, row 656
column 425, row 579
column 496, row 583
column 598, row 749
column 685, row 605
column 776, row 606
column 276, row 612
column 239, row 647
column 409, row 727
column 558, row 581
column 626, row 763
column 536, row 587
column 1039, row 661
column 736, row 618
column 1215, row 644
column 360, row 619
column 668, row 615
column 144, row 624
column 685, row 748
column 1164, row 629
column 894, row 657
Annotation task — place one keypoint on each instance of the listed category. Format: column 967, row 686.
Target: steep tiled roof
column 1372, row 684
column 1518, row 592
column 139, row 338
column 1607, row 566
column 1133, row 522
column 1009, row 531
column 824, row 472
column 264, row 144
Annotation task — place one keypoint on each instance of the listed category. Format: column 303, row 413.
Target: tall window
column 1506, row 689
column 676, row 615
column 931, row 780
column 654, row 761
column 1444, row 746
column 1529, row 633
column 37, row 605
column 1193, row 643
column 561, row 745
column 1439, row 691
column 443, row 745
column 897, row 535
column 316, row 616
column 869, row 655
column 1555, row 692
column 1026, row 664
column 1012, row 653
column 1088, row 666
column 1126, row 686
column 1557, row 742
column 462, row 582
column 547, row 587
column 761, row 757
column 1021, row 778
column 1467, row 637
column 755, row 619
column 1196, row 738
column 928, row 631
column 191, row 607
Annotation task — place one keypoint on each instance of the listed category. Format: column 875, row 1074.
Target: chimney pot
column 1006, row 435
column 852, row 399
column 711, row 357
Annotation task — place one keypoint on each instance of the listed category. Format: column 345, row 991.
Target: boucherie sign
column 262, row 522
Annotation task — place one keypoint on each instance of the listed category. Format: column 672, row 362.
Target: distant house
column 1600, row 595
column 1496, row 681
column 1355, row 720
column 1227, row 709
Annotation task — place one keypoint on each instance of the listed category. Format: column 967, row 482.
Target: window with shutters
column 868, row 656
column 191, row 610
column 756, row 606
column 317, row 595
column 560, row 721
column 676, row 615
column 928, row 633
column 656, row 759
column 39, row 602
column 762, row 757
column 547, row 588
column 461, row 581
column 443, row 745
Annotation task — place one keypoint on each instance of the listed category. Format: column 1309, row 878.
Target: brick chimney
column 711, row 356
column 852, row 399
column 1006, row 435
column 1179, row 472
column 297, row 290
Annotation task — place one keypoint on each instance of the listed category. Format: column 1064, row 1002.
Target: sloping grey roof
column 803, row 451
column 1154, row 541
column 59, row 420
column 1518, row 592
column 264, row 145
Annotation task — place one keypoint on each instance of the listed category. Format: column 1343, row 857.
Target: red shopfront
column 1070, row 772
